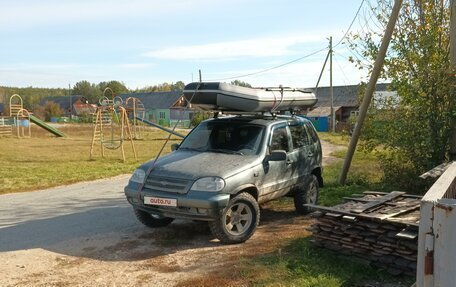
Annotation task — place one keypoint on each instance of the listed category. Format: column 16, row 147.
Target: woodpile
column 379, row 227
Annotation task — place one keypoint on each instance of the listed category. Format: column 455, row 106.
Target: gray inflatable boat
column 215, row 96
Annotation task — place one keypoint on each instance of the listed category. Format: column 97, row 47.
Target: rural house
column 346, row 103
column 71, row 105
column 163, row 108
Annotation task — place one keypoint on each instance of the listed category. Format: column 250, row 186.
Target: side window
column 299, row 136
column 312, row 132
column 279, row 139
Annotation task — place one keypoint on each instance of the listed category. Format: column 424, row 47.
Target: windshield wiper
column 227, row 151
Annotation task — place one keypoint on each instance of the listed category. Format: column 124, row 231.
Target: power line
column 342, row 70
column 272, row 68
column 297, row 59
column 351, row 24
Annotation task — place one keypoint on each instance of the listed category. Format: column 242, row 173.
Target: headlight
column 209, row 184
column 138, row 176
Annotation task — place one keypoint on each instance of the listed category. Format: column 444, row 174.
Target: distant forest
column 32, row 95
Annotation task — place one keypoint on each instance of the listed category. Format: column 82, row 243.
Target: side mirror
column 174, row 146
column 277, row 155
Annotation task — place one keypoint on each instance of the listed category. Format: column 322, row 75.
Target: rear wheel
column 308, row 193
column 238, row 220
column 152, row 220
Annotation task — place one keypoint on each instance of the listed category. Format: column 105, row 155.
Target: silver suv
column 224, row 169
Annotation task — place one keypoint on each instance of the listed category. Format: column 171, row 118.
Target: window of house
column 162, row 115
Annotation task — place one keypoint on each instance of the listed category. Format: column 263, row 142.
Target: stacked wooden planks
column 379, row 227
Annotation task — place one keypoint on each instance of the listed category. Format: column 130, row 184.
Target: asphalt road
column 86, row 234
column 46, row 217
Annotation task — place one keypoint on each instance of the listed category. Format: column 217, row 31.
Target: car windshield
column 225, row 137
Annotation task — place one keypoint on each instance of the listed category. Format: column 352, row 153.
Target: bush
column 199, row 117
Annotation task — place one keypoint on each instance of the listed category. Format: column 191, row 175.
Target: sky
column 56, row 43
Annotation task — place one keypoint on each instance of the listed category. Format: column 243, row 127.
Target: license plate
column 152, row 200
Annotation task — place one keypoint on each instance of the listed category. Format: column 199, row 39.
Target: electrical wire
column 271, row 68
column 297, row 59
column 351, row 24
column 346, row 80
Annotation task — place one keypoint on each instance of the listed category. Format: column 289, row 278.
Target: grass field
column 44, row 161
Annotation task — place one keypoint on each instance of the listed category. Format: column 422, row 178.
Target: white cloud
column 260, row 47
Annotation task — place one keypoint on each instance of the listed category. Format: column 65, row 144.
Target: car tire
column 152, row 220
column 308, row 193
column 238, row 221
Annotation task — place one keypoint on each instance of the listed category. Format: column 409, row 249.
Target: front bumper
column 194, row 205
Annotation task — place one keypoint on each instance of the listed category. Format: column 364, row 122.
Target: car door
column 276, row 173
column 302, row 153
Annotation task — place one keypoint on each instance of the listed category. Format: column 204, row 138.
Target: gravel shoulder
column 85, row 234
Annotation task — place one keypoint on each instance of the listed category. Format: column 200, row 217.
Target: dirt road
column 85, row 234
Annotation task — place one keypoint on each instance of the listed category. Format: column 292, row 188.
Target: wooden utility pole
column 378, row 65
column 331, row 90
column 321, row 73
column 200, row 77
column 453, row 72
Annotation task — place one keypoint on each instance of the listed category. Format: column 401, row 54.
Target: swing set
column 111, row 126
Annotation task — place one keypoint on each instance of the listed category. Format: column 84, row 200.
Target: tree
column 88, row 90
column 52, row 109
column 116, row 87
column 164, row 87
column 241, row 83
column 415, row 130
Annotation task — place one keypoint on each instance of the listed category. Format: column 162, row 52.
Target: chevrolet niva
column 224, row 168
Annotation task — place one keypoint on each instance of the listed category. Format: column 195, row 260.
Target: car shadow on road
column 110, row 232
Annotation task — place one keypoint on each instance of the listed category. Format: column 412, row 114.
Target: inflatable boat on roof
column 214, row 96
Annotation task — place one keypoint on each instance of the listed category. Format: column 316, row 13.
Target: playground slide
column 45, row 126
column 160, row 127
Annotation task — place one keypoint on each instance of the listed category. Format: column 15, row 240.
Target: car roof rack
column 265, row 114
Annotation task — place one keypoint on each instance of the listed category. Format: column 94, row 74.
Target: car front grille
column 167, row 184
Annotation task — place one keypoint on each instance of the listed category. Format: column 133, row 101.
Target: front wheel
column 152, row 220
column 238, row 221
column 306, row 194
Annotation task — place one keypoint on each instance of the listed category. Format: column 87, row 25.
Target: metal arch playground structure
column 21, row 119
column 136, row 113
column 111, row 126
column 20, row 115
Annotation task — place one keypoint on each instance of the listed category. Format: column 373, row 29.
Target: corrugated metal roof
column 344, row 96
column 155, row 100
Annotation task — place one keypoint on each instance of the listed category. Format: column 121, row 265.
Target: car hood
column 193, row 165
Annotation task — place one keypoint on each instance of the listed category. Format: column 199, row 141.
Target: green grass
column 335, row 138
column 364, row 174
column 300, row 263
column 45, row 161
